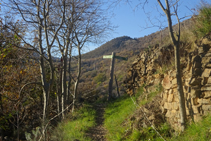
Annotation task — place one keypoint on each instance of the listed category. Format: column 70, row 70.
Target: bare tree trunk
column 59, row 92
column 180, row 88
column 64, row 85
column 78, row 77
column 177, row 61
column 42, row 70
column 69, row 81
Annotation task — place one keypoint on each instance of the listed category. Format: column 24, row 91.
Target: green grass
column 200, row 131
column 117, row 122
column 75, row 126
column 203, row 21
column 117, row 113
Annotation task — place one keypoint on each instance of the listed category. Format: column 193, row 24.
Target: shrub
column 203, row 21
column 101, row 77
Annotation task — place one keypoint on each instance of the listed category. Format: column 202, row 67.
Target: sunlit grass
column 74, row 127
column 203, row 21
column 200, row 131
column 115, row 114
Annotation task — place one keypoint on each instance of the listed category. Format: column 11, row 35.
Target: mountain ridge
column 126, row 43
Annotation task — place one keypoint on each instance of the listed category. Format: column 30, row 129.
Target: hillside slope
column 125, row 43
column 115, row 45
column 94, row 66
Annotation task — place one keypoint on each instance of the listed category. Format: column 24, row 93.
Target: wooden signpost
column 113, row 56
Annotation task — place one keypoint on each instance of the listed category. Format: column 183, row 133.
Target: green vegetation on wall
column 203, row 21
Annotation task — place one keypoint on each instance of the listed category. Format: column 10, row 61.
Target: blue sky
column 132, row 20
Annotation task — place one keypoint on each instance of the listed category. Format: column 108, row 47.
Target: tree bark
column 78, row 76
column 111, row 77
column 176, row 43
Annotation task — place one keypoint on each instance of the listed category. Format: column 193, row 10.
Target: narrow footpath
column 98, row 132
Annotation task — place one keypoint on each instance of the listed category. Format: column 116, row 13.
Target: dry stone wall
column 196, row 70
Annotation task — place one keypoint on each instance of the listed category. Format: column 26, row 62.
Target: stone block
column 200, row 50
column 187, row 81
column 161, row 94
column 206, row 72
column 166, row 82
column 171, row 91
column 188, row 96
column 152, row 117
column 162, row 103
column 195, row 93
column 203, row 101
column 205, row 60
column 206, row 88
column 206, row 41
column 167, row 91
column 195, row 109
column 175, row 105
column 146, row 110
column 187, row 112
column 207, row 113
column 197, row 117
column 165, row 97
column 207, row 94
column 175, row 90
column 168, row 114
column 185, row 89
column 176, row 98
column 174, row 81
column 170, row 97
column 173, row 113
column 174, row 86
column 194, row 101
column 167, row 106
column 173, row 74
column 209, row 80
column 206, row 107
column 208, row 65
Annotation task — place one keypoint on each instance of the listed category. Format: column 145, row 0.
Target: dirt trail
column 98, row 132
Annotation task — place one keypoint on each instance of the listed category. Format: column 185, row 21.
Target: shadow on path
column 98, row 132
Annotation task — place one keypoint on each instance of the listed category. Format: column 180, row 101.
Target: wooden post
column 111, row 76
column 117, row 87
column 112, row 71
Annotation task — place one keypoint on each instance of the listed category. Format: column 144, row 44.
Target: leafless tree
column 176, row 43
column 171, row 9
column 37, row 16
column 62, row 25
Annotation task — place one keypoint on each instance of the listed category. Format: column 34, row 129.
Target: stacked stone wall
column 196, row 70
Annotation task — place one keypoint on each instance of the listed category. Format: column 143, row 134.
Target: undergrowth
column 115, row 114
column 200, row 131
column 203, row 21
column 75, row 125
column 119, row 111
